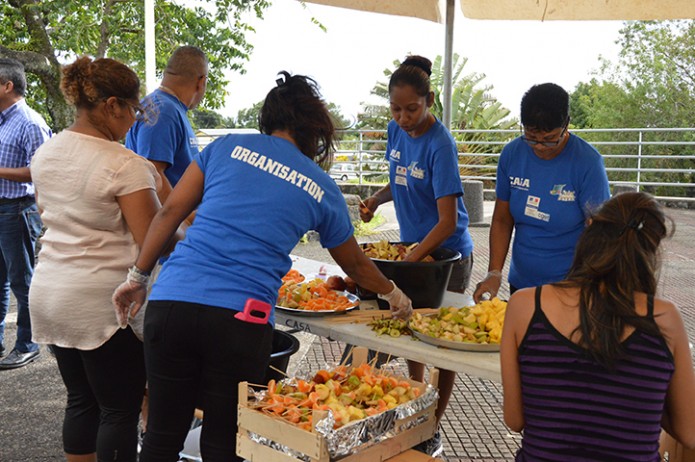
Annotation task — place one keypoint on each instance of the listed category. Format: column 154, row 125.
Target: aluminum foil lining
column 359, row 434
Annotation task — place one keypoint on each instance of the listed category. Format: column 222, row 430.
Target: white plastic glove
column 401, row 306
column 129, row 297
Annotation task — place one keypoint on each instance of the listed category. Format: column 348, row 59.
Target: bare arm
column 374, row 201
column 518, row 315
column 138, row 209
column 500, row 237
column 20, row 175
column 359, row 267
column 166, row 188
column 447, row 209
column 679, row 418
column 180, row 203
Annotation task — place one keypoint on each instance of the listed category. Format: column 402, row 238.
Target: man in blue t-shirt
column 548, row 182
column 165, row 136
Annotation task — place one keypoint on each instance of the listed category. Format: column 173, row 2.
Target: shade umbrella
column 544, row 10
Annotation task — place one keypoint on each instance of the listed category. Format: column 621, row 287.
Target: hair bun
column 420, row 62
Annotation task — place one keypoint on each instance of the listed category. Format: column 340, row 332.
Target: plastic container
column 284, row 346
column 424, row 282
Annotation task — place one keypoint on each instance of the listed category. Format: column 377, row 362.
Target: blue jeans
column 20, row 227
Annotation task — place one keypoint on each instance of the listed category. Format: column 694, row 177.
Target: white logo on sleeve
column 401, row 170
column 395, row 155
column 533, row 201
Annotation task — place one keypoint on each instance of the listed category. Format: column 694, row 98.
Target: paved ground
column 32, row 398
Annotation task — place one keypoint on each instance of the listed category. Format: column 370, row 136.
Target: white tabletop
column 478, row 364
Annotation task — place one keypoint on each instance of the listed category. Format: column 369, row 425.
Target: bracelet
column 496, row 273
column 137, row 275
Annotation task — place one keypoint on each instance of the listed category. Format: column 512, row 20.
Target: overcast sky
column 349, row 58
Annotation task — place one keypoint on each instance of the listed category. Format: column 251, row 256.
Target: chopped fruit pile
column 314, row 295
column 481, row 323
column 349, row 393
column 384, row 250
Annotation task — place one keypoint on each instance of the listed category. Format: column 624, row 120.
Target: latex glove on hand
column 129, row 297
column 401, row 306
column 490, row 285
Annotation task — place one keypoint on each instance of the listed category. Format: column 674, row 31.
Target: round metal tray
column 484, row 347
column 309, row 313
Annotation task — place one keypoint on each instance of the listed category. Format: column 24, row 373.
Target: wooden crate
column 313, row 444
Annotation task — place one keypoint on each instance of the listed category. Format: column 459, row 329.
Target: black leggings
column 105, row 390
column 196, row 355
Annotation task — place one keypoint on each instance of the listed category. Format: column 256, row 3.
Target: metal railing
column 659, row 161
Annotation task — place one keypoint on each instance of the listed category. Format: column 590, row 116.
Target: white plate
column 440, row 342
column 297, row 312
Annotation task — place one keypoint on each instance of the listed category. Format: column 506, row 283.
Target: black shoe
column 432, row 446
column 2, row 350
column 17, row 359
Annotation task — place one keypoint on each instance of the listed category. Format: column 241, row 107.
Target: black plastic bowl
column 284, row 346
column 424, row 282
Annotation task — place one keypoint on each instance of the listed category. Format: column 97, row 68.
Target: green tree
column 45, row 34
column 207, row 118
column 652, row 85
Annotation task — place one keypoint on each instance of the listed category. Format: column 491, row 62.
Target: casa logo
column 519, row 183
column 415, row 172
column 395, row 155
column 562, row 195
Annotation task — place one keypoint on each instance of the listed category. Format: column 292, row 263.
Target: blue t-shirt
column 260, row 196
column 169, row 139
column 549, row 201
column 422, row 170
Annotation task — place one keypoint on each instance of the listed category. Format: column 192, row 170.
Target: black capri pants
column 105, row 391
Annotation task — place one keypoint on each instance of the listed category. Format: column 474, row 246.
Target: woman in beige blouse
column 96, row 200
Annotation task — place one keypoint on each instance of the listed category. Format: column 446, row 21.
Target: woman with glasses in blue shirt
column 548, row 180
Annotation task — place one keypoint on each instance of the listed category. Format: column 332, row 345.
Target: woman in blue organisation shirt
column 426, row 189
column 548, row 182
column 256, row 196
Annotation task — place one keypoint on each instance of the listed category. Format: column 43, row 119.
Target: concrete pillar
column 623, row 187
column 473, row 201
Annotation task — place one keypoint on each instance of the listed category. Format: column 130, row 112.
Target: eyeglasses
column 547, row 144
column 138, row 110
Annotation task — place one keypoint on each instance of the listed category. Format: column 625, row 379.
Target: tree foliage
column 43, row 35
column 652, row 85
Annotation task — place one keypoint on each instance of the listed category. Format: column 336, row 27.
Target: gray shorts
column 461, row 275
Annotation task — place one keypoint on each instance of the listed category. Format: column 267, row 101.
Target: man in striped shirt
column 22, row 130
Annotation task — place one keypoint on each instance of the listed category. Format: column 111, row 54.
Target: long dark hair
column 616, row 256
column 296, row 105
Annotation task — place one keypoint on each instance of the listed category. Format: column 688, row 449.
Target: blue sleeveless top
column 577, row 410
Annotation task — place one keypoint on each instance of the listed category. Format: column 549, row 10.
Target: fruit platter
column 470, row 328
column 344, row 412
column 315, row 296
